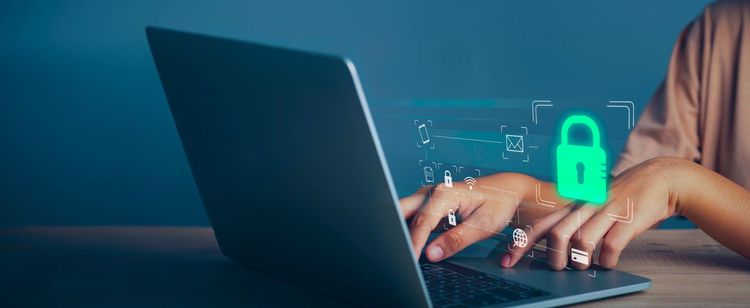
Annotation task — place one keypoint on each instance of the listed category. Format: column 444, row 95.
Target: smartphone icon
column 423, row 134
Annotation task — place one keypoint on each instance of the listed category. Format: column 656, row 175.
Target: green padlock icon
column 582, row 170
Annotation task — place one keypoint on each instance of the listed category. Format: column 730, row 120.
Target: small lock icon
column 451, row 217
column 448, row 179
column 582, row 170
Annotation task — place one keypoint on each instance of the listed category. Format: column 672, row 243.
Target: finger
column 480, row 225
column 618, row 237
column 613, row 243
column 428, row 217
column 589, row 235
column 560, row 235
column 410, row 205
column 541, row 227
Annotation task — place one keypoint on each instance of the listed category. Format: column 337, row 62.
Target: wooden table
column 686, row 268
column 177, row 266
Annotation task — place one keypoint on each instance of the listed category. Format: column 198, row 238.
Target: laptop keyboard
column 455, row 286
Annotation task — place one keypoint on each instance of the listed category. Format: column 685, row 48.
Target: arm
column 717, row 205
column 648, row 193
column 485, row 211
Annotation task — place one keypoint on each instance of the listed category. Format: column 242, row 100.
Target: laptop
column 288, row 164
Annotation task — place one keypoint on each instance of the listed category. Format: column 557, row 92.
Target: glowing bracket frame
column 539, row 199
column 629, row 215
column 627, row 105
column 539, row 103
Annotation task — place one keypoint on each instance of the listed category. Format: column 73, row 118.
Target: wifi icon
column 471, row 182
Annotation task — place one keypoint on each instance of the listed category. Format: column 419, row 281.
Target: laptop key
column 443, row 302
column 453, row 276
column 457, row 296
column 441, row 272
column 465, row 280
column 450, row 285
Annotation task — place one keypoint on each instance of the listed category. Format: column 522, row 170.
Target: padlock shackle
column 585, row 120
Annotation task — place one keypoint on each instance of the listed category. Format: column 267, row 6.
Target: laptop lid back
column 288, row 165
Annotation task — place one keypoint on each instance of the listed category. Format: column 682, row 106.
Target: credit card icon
column 579, row 256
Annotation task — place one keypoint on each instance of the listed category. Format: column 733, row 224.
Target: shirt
column 701, row 111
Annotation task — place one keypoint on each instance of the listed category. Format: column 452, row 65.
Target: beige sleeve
column 669, row 124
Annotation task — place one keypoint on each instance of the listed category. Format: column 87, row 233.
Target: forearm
column 717, row 205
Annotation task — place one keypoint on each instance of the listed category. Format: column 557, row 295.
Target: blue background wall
column 85, row 132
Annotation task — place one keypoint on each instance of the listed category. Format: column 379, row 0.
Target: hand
column 650, row 189
column 484, row 209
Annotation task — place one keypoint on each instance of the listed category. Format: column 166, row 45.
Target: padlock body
column 593, row 188
column 452, row 218
column 448, row 179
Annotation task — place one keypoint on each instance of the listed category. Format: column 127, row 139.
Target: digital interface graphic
column 455, row 144
column 582, row 169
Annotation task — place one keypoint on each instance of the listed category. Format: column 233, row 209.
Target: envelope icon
column 514, row 143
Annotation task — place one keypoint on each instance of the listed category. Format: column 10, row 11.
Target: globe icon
column 519, row 238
